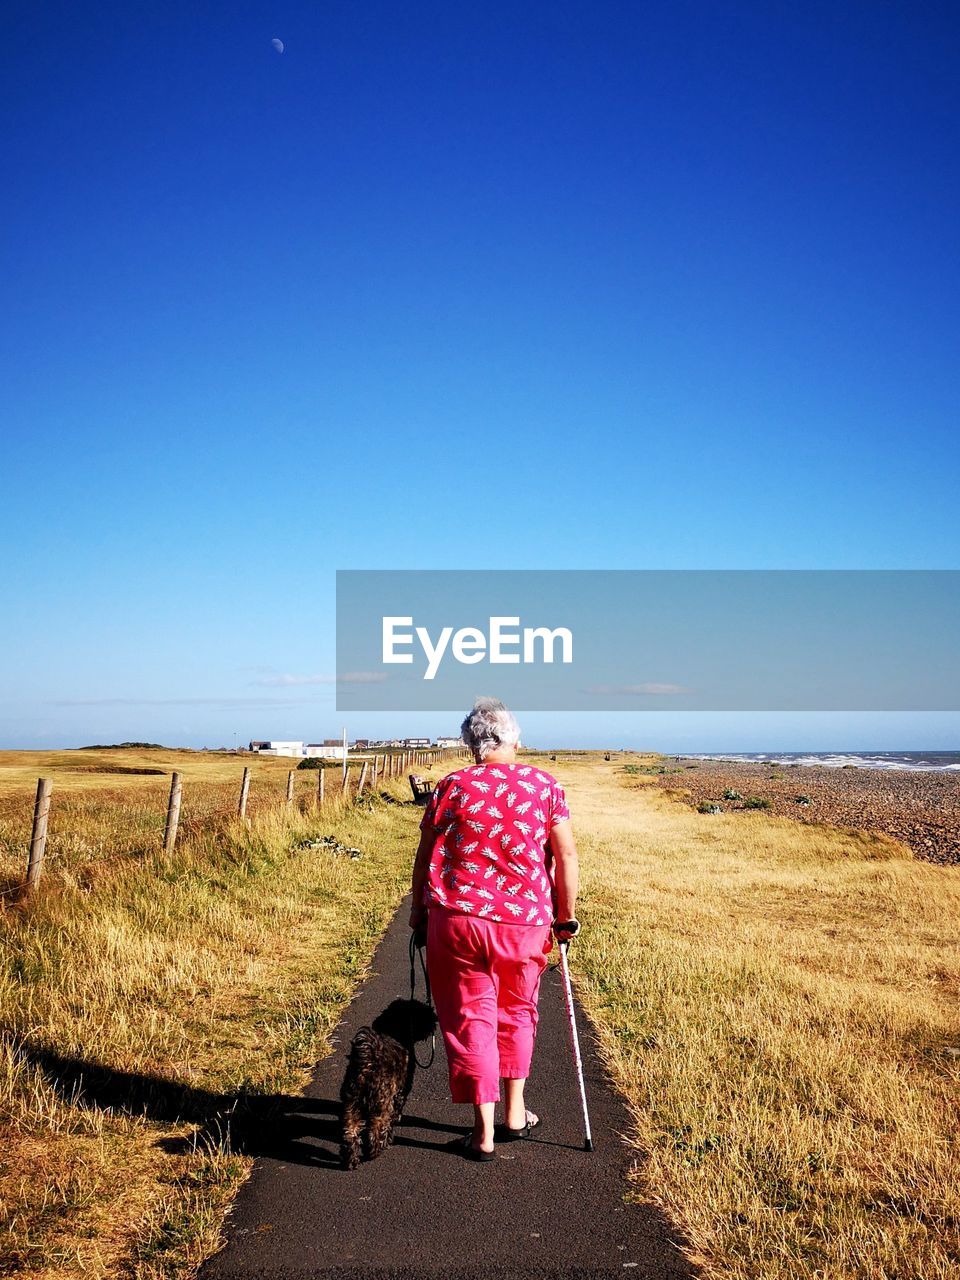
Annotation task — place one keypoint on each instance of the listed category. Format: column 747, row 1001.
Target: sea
column 921, row 761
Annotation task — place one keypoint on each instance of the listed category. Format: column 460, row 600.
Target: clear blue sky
column 497, row 286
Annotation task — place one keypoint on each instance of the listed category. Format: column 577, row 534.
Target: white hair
column 488, row 726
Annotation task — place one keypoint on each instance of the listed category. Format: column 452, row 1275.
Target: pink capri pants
column 485, row 979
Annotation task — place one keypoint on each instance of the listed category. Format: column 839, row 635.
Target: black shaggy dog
column 378, row 1079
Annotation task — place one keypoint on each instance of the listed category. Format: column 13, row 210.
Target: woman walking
column 496, row 866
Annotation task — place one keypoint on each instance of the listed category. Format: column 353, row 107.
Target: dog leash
column 416, row 948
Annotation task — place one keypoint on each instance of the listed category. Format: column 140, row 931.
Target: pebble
column 332, row 844
column 919, row 808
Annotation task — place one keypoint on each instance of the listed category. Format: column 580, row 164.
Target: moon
column 277, row 44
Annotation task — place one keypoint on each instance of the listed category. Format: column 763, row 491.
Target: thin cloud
column 347, row 677
column 651, row 689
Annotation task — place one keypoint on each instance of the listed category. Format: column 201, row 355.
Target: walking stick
column 575, row 1041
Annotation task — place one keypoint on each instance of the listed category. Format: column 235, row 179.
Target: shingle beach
column 920, row 808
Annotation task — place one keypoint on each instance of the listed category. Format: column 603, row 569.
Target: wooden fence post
column 290, row 777
column 345, row 789
column 38, row 836
column 244, row 792
column 320, row 773
column 173, row 814
column 363, row 778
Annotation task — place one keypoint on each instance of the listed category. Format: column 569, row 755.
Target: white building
column 329, row 749
column 449, row 742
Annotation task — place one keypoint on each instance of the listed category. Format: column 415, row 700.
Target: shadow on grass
column 290, row 1128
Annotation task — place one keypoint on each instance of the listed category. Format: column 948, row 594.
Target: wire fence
column 75, row 828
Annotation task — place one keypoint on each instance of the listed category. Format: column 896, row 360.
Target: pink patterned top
column 492, row 824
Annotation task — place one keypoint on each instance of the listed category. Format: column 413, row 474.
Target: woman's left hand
column 418, row 917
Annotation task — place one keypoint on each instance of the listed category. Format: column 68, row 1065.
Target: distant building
column 329, row 749
column 275, row 748
column 332, row 748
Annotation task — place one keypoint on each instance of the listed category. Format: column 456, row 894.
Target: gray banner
column 685, row 640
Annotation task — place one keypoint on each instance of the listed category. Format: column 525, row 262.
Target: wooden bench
column 421, row 788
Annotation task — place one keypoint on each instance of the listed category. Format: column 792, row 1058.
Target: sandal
column 506, row 1134
column 464, row 1146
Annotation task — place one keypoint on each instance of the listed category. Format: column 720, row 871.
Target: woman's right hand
column 564, row 930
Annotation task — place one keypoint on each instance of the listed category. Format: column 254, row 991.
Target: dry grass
column 109, row 805
column 131, row 770
column 778, row 1004
column 775, row 1001
column 192, row 982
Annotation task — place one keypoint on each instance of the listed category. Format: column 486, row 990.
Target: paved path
column 545, row 1208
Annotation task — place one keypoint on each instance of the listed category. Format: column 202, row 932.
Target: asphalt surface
column 544, row 1208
